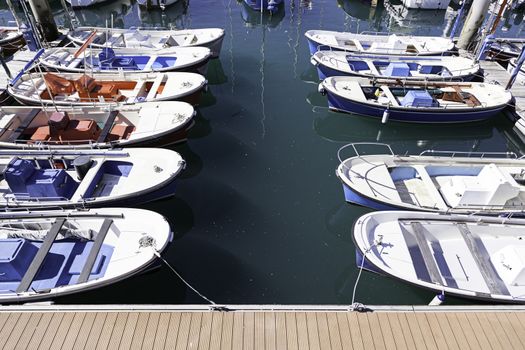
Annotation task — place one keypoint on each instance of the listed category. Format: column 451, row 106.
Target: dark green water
column 259, row 215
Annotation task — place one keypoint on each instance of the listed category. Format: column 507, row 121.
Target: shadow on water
column 346, row 128
column 215, row 74
column 193, row 160
column 201, row 128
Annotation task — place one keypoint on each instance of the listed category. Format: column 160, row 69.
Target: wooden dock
column 125, row 327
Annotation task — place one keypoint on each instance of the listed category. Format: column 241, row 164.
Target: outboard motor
column 82, row 165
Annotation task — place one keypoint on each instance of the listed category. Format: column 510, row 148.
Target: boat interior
column 87, row 89
column 444, row 186
column 108, row 60
column 445, row 97
column 135, row 38
column 40, row 264
column 466, row 255
column 55, row 127
column 397, row 69
column 60, row 178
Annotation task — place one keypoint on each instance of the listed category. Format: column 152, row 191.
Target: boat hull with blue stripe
column 452, row 182
column 378, row 44
column 446, row 102
column 407, row 68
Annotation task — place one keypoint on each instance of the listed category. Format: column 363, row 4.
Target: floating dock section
column 260, row 327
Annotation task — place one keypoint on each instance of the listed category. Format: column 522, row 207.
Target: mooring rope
column 182, row 279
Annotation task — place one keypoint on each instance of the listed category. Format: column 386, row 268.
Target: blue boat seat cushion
column 397, row 69
column 17, row 173
column 418, row 98
column 51, row 183
column 16, row 255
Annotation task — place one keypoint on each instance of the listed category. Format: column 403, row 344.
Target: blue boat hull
column 267, row 5
column 315, row 46
column 416, row 115
column 355, row 198
column 367, row 266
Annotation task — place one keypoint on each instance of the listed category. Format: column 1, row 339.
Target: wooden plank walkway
column 263, row 329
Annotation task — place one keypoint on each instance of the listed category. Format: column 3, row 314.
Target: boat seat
column 420, row 250
column 482, row 259
column 391, row 98
column 24, row 124
column 58, row 85
column 154, row 88
column 85, row 84
column 120, row 132
column 40, row 256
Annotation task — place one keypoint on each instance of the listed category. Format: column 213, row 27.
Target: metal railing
column 468, row 154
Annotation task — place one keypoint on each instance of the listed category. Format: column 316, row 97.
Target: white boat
column 413, row 101
column 68, row 89
column 426, row 4
column 84, row 3
column 11, row 39
column 47, row 254
column 332, row 63
column 107, row 60
column 452, row 182
column 472, row 256
column 149, row 38
column 86, row 178
column 380, row 44
column 151, row 4
column 143, row 124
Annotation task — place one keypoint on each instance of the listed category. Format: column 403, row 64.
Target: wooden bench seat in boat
column 482, row 258
column 76, row 130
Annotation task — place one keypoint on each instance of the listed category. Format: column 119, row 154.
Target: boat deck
column 260, row 327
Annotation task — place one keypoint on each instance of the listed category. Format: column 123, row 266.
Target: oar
column 86, row 44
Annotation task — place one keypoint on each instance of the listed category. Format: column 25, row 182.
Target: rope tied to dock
column 355, row 306
column 157, row 254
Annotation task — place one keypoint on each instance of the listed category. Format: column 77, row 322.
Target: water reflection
column 345, row 128
column 174, row 16
column 400, row 17
column 264, row 18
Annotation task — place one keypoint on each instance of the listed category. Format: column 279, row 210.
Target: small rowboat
column 47, row 254
column 452, row 182
column 378, row 44
column 475, row 257
column 143, row 124
column 11, row 40
column 108, row 60
column 87, row 178
column 336, row 63
column 77, row 89
column 150, row 38
column 421, row 102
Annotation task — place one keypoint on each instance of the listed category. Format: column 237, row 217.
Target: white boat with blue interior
column 438, row 181
column 470, row 256
column 335, row 63
column 378, row 43
column 47, row 254
column 113, row 60
column 86, row 178
column 148, row 38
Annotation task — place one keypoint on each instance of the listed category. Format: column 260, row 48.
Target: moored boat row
column 68, row 148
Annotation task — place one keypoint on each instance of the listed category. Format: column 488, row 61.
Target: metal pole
column 15, row 13
column 6, row 68
column 516, row 70
column 475, row 18
column 68, row 15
